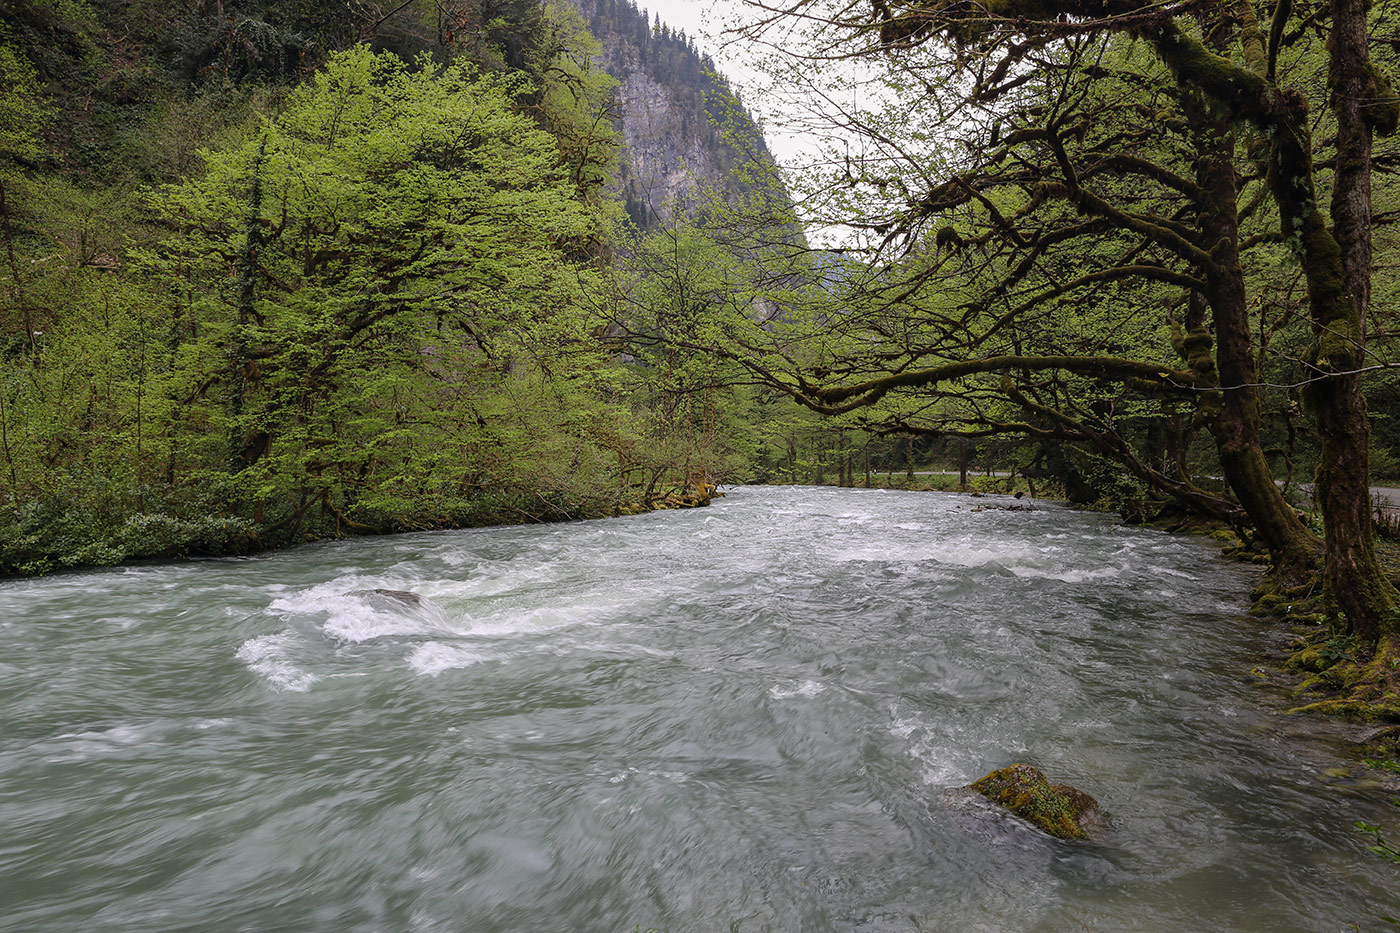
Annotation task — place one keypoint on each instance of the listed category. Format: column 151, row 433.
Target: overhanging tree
column 1220, row 62
column 1069, row 221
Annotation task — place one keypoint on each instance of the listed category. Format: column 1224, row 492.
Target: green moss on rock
column 1310, row 660
column 1058, row 809
column 1355, row 710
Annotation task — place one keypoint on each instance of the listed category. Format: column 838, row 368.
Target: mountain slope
column 684, row 128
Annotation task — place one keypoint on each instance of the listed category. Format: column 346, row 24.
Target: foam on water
column 433, row 658
column 620, row 649
column 703, row 719
column 465, row 624
column 1022, row 559
column 101, row 743
column 943, row 759
column 1067, row 576
column 676, row 777
column 534, row 619
column 359, row 613
column 270, row 656
column 807, row 688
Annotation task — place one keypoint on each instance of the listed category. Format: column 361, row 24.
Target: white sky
column 690, row 15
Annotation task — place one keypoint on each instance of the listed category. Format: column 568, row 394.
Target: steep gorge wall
column 665, row 165
column 683, row 127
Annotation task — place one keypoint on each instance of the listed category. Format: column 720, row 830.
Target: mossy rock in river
column 1058, row 809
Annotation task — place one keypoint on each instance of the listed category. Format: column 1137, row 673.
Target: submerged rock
column 1058, row 809
column 403, row 596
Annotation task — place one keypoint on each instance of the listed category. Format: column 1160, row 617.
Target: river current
column 750, row 717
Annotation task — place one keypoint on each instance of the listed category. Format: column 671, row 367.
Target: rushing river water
column 749, row 717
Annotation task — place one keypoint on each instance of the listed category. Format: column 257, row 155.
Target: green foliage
column 680, row 294
column 1382, row 847
column 23, row 111
column 1337, row 648
column 389, row 253
column 576, row 101
column 370, row 313
column 370, row 302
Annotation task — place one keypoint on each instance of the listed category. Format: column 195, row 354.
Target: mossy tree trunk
column 1359, row 101
column 1240, row 86
column 239, row 351
column 1235, row 419
column 1352, row 571
column 21, row 300
column 1250, row 93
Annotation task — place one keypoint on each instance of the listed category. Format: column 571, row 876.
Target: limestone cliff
column 684, row 129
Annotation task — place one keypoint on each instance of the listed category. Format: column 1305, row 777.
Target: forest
column 294, row 271
column 282, row 271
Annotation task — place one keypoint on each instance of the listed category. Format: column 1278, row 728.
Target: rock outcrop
column 683, row 128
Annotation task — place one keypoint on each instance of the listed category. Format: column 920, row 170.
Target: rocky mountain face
column 684, row 128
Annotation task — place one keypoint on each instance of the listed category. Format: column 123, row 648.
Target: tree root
column 1348, row 683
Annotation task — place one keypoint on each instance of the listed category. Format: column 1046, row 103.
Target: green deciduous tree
column 24, row 113
column 390, row 248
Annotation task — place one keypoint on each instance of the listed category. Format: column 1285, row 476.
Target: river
column 754, row 716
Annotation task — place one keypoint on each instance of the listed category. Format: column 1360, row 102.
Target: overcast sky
column 690, row 15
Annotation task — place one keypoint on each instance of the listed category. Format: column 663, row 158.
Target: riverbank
column 52, row 539
column 941, row 481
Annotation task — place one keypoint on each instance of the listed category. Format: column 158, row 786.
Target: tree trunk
column 21, row 300
column 1353, row 574
column 1236, row 414
column 239, row 353
column 1354, row 577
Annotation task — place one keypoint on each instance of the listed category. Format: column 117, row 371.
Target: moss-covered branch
column 839, row 399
